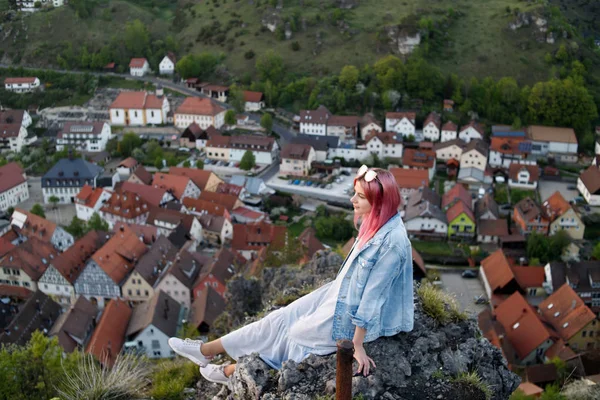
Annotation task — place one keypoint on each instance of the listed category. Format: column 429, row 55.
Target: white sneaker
column 189, row 349
column 215, row 373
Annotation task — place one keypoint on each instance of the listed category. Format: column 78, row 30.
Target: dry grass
column 439, row 305
column 474, row 380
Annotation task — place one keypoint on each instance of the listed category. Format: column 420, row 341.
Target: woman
column 372, row 295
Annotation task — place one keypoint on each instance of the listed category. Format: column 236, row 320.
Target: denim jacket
column 377, row 291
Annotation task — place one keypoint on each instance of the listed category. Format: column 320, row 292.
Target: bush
column 295, row 46
column 170, row 378
column 249, row 54
column 439, row 305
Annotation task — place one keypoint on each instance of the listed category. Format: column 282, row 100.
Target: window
column 155, row 344
column 129, row 292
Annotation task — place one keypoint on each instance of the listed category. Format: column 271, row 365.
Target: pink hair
column 383, row 195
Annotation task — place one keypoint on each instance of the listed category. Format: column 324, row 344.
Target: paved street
column 285, row 133
column 465, row 290
column 62, row 214
column 547, row 188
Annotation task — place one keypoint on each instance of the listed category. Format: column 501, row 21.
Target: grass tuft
column 472, row 379
column 439, row 305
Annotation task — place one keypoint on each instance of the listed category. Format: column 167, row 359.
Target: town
column 123, row 223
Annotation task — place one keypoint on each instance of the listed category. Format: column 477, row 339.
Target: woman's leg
column 229, row 370
column 212, row 349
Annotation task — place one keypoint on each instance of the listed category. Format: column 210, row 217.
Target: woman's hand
column 364, row 361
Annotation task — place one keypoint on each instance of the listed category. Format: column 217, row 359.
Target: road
column 465, row 290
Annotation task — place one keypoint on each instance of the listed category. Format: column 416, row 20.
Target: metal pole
column 343, row 377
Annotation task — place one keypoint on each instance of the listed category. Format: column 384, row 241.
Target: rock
column 522, row 19
column 271, row 20
column 288, row 31
column 347, row 4
column 403, row 39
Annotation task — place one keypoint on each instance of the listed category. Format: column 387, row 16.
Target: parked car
column 469, row 274
column 291, row 182
column 587, row 208
column 308, row 183
column 571, row 187
column 344, row 172
column 323, row 185
column 480, row 300
column 329, row 186
column 296, row 182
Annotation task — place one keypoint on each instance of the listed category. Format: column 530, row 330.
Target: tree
column 230, row 117
column 200, row 65
column 97, row 224
column 270, row 66
column 128, row 143
column 137, row 38
column 266, row 121
column 10, row 210
column 187, row 164
column 248, row 161
column 596, row 251
column 77, row 227
column 236, row 98
column 54, row 200
column 349, row 77
column 199, row 164
column 37, row 209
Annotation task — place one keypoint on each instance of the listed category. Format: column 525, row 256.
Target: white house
column 202, row 111
column 314, row 122
column 432, row 127
column 449, row 149
column 21, row 85
column 139, row 109
column 30, row 5
column 167, row 64
column 471, row 131
column 296, row 159
column 139, row 67
column 265, row 149
column 83, row 136
column 385, row 144
column 13, row 130
column 588, row 185
column 152, row 323
column 13, row 186
column 558, row 142
column 449, row 131
column 368, row 123
column 67, row 177
column 321, row 144
column 475, row 155
column 31, row 225
column 253, row 101
column 523, row 176
column 400, row 122
column 507, row 150
column 89, row 201
column 425, row 220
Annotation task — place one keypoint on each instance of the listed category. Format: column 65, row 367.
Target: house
column 102, row 277
column 461, row 221
column 474, row 155
column 432, row 127
column 154, row 196
column 296, row 159
column 217, row 148
column 152, row 323
column 147, row 272
column 139, row 67
column 139, row 109
column 21, row 85
column 449, row 149
column 409, row 181
column 179, row 278
column 230, row 202
column 449, row 131
column 127, row 166
column 125, row 207
column 167, row 64
column 13, row 186
column 524, row 330
column 475, row 178
column 563, row 217
column 529, row 217
column 205, row 310
column 66, row 179
column 472, row 130
column 448, row 105
column 583, row 277
column 588, row 185
column 486, row 208
column 195, row 137
column 253, row 101
column 74, row 327
column 180, row 186
column 37, row 314
column 59, row 278
column 423, row 217
column 531, row 281
column 497, row 275
column 109, row 336
column 344, row 127
column 320, row 144
column 310, row 244
column 13, row 130
column 244, row 214
column 383, row 144
column 490, row 231
column 30, row 225
column 217, row 92
column 558, row 143
column 217, row 230
column 367, row 124
column 314, row 122
column 249, row 238
column 420, row 159
column 401, row 122
column 202, row 111
column 83, row 136
column 197, row 206
column 169, row 221
column 457, row 193
column 89, row 201
column 206, row 181
column 24, row 264
column 217, row 273
column 140, row 175
column 253, row 186
column 265, row 149
column 507, row 150
column 523, row 176
column 574, row 322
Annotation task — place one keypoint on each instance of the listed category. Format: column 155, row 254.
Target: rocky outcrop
column 403, row 40
column 421, row 364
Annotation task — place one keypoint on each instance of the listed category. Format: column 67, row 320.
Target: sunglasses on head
column 367, row 173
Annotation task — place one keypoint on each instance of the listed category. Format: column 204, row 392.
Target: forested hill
column 443, row 46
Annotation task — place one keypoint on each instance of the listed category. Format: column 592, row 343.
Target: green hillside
column 466, row 37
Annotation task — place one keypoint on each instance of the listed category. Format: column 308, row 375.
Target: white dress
column 293, row 332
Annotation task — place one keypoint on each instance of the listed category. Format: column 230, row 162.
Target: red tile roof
column 143, row 175
column 129, row 162
column 204, row 205
column 15, row 291
column 384, row 137
column 125, row 204
column 11, row 175
column 32, row 257
column 253, row 236
column 529, row 210
column 310, row 242
column 529, row 277
column 523, row 327
column 411, row 116
column 199, row 106
column 72, row 262
column 410, row 178
column 176, row 184
column 418, row 158
column 449, row 126
column 35, row 226
column 566, row 312
column 591, row 179
column 515, row 168
column 551, row 134
column 27, row 79
column 457, row 209
column 5, row 245
column 492, row 227
column 506, row 145
column 199, row 176
column 555, row 206
column 457, row 193
column 89, row 196
column 119, row 255
column 561, row 350
column 137, row 100
column 296, row 151
column 137, row 62
column 248, row 213
column 497, row 269
column 227, row 200
column 473, row 124
column 435, row 118
column 151, row 194
column 109, row 336
column 253, row 97
column 229, row 188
